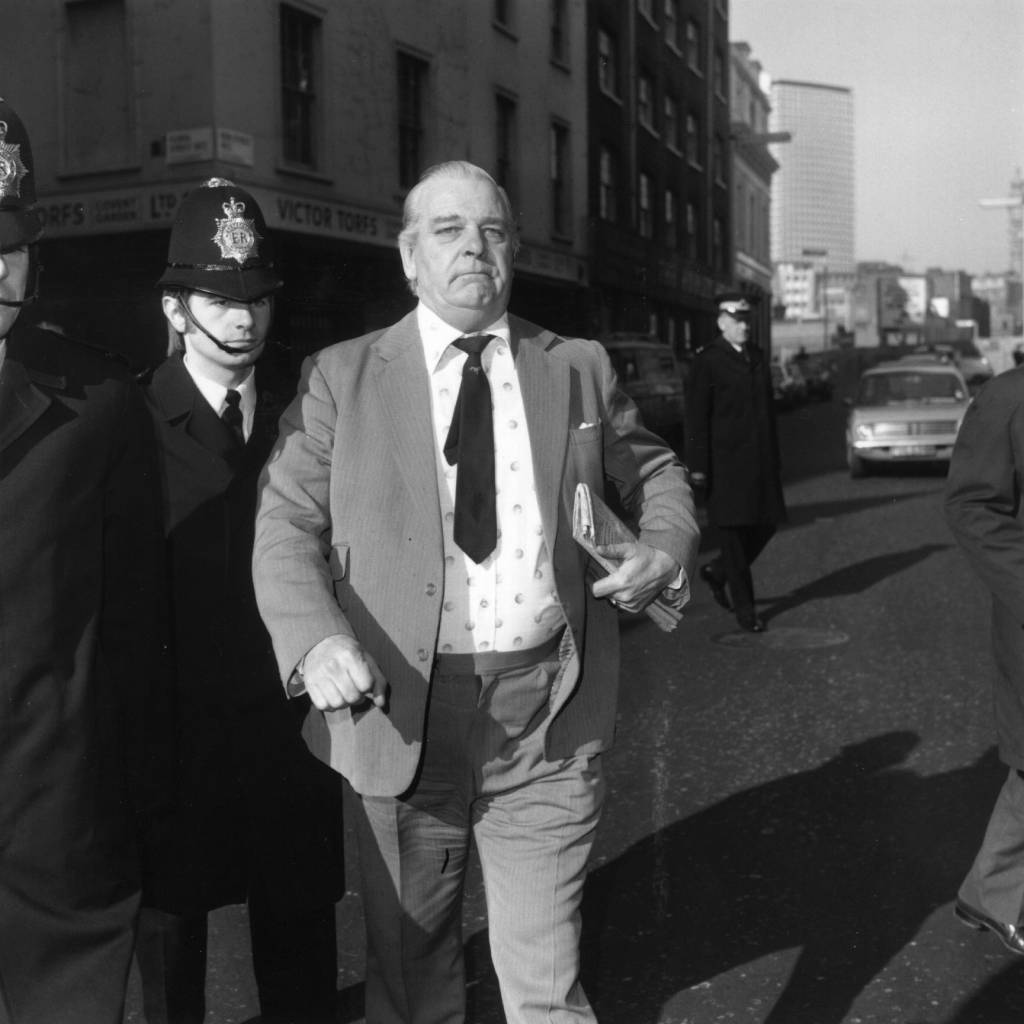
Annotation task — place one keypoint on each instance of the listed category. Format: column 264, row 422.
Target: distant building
column 752, row 170
column 658, row 130
column 608, row 123
column 812, row 209
column 327, row 112
column 1002, row 292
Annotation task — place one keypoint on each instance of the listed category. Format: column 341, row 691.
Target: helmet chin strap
column 232, row 350
column 32, row 289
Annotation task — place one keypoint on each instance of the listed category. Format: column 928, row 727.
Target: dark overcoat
column 731, row 435
column 254, row 808
column 80, row 552
column 986, row 515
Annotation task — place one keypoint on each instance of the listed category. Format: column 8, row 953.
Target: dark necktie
column 232, row 415
column 470, row 443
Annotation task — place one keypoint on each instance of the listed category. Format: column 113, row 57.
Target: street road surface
column 789, row 815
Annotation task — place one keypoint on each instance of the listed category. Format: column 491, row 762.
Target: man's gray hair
column 451, row 169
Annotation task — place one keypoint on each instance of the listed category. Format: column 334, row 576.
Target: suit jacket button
column 422, row 654
column 431, row 589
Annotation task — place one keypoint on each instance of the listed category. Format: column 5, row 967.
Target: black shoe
column 717, row 587
column 750, row 621
column 1010, row 935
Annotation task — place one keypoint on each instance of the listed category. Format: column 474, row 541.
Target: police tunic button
column 422, row 655
column 431, row 589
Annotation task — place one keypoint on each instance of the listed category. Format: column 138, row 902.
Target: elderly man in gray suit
column 415, row 566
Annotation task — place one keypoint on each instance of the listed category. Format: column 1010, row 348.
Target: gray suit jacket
column 349, row 536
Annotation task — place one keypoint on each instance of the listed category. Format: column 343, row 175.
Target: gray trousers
column 483, row 777
column 995, row 883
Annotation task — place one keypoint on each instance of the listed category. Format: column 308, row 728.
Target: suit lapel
column 403, row 393
column 188, row 413
column 544, row 383
column 21, row 402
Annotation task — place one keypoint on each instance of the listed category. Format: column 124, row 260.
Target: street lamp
column 822, row 254
column 1003, row 203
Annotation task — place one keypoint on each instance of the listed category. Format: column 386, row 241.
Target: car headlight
column 863, row 431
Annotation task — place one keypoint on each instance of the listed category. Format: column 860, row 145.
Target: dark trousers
column 739, row 548
column 294, row 958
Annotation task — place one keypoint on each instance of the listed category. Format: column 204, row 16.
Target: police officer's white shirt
column 3, row 353
column 508, row 602
column 216, row 395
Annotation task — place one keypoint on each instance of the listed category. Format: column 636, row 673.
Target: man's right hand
column 339, row 673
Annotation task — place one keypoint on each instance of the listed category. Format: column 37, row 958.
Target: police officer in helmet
column 80, row 563
column 258, row 818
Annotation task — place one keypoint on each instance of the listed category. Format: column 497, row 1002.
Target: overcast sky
column 938, row 98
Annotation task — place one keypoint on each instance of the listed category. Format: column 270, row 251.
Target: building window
column 692, row 140
column 607, row 63
column 718, row 75
column 645, row 101
column 691, row 231
column 645, row 218
column 559, row 32
column 412, row 81
column 299, row 39
column 717, row 247
column 505, row 142
column 672, row 23
column 718, row 162
column 561, row 209
column 671, row 221
column 671, row 123
column 693, row 46
column 97, row 77
column 607, row 199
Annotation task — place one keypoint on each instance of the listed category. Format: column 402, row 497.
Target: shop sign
column 188, row 146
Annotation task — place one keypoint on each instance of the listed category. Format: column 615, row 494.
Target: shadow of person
column 843, row 863
column 851, row 579
column 998, row 1001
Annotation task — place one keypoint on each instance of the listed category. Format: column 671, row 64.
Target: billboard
column 902, row 301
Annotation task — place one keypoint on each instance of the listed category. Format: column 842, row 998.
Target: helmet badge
column 236, row 235
column 12, row 170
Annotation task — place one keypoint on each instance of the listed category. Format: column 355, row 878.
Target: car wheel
column 858, row 468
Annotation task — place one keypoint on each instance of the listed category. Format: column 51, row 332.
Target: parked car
column 965, row 355
column 651, row 375
column 908, row 410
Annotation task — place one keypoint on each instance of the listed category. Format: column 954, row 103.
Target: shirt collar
column 436, row 335
column 215, row 393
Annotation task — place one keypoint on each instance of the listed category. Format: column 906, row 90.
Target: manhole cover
column 791, row 638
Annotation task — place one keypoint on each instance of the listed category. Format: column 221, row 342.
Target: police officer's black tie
column 232, row 415
column 470, row 443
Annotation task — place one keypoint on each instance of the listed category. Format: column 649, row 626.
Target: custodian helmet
column 20, row 222
column 220, row 245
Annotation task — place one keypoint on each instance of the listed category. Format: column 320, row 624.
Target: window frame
column 300, row 145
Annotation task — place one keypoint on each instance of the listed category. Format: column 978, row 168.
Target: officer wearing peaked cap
column 258, row 818
column 80, row 556
column 732, row 451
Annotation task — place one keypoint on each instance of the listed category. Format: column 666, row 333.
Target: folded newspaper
column 594, row 525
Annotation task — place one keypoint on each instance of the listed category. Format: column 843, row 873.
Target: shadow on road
column 851, row 579
column 843, row 862
column 801, row 515
column 1000, row 1001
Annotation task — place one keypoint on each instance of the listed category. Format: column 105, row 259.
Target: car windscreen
column 900, row 387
